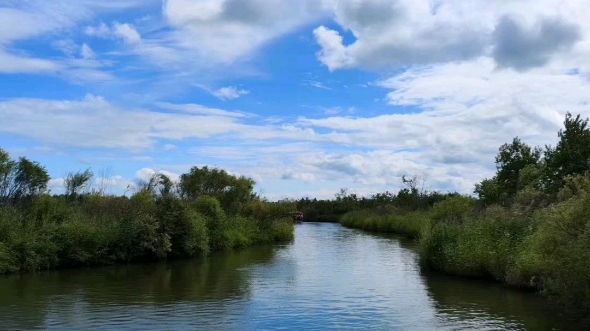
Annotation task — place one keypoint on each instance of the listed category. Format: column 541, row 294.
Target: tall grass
column 49, row 232
column 386, row 220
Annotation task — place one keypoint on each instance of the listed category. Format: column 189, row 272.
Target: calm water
column 330, row 278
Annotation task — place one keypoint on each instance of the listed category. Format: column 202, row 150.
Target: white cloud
column 223, row 31
column 86, row 52
column 201, row 110
column 22, row 20
column 124, row 31
column 319, row 85
column 94, row 122
column 229, row 93
column 11, row 64
column 101, row 31
column 408, row 32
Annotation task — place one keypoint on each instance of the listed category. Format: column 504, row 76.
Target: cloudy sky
column 305, row 96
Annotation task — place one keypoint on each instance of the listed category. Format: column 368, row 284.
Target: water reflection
column 330, row 278
column 58, row 299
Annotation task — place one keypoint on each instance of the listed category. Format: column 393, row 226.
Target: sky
column 305, row 97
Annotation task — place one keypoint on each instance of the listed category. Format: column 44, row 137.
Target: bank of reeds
column 49, row 232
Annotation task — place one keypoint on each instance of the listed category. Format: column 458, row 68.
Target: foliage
column 570, row 157
column 161, row 220
column 20, row 179
column 76, row 183
column 231, row 191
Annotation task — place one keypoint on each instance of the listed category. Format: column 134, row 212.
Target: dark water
column 330, row 278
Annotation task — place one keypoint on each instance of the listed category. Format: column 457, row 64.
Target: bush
column 561, row 247
column 483, row 247
column 49, row 232
column 453, row 209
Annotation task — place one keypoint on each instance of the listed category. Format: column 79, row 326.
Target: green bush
column 561, row 247
column 453, row 209
column 484, row 247
column 49, row 232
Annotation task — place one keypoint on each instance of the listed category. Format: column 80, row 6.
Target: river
column 329, row 278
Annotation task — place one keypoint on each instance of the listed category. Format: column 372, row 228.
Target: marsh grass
column 49, row 232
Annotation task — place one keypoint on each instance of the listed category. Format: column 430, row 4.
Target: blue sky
column 306, row 97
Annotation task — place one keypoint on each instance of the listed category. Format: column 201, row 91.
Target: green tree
column 77, row 183
column 489, row 192
column 231, row 191
column 571, row 156
column 511, row 160
column 7, row 167
column 21, row 178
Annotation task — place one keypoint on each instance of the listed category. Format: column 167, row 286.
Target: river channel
column 329, row 278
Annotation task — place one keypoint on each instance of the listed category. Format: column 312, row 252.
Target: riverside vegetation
column 528, row 228
column 208, row 209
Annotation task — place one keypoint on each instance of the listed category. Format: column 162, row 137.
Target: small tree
column 28, row 178
column 77, row 183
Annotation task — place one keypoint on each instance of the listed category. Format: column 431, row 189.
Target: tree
column 7, row 167
column 511, row 160
column 571, row 156
column 157, row 184
column 77, row 183
column 22, row 178
column 231, row 191
column 413, row 191
column 489, row 192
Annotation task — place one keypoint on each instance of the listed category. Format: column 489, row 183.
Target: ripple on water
column 330, row 278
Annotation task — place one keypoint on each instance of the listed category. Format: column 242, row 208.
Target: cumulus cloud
column 520, row 48
column 224, row 31
column 403, row 33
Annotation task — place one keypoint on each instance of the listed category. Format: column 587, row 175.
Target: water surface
column 330, row 278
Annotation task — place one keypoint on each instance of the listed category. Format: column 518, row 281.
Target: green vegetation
column 207, row 210
column 529, row 226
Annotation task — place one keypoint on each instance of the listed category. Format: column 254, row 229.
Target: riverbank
column 51, row 233
column 545, row 250
column 207, row 209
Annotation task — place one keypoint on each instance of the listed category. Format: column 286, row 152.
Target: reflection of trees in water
column 461, row 299
column 26, row 300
